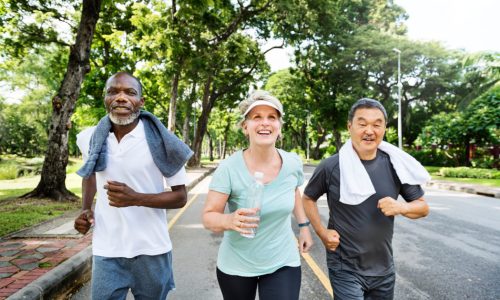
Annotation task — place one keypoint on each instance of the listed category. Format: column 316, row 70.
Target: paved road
column 452, row 254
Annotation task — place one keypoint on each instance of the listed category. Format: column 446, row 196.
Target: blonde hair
column 260, row 95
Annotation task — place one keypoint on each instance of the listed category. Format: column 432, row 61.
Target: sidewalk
column 45, row 261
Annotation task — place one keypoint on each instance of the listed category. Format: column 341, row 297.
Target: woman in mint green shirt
column 270, row 261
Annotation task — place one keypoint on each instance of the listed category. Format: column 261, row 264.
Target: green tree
column 430, row 76
column 478, row 124
column 330, row 62
column 38, row 75
column 19, row 30
column 482, row 118
column 290, row 90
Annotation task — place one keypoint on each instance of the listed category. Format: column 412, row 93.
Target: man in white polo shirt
column 128, row 155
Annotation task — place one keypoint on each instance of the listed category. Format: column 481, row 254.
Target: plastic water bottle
column 254, row 197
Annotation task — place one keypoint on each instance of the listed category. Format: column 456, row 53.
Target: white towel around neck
column 355, row 184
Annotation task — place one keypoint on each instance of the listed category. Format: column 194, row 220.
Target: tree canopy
column 198, row 59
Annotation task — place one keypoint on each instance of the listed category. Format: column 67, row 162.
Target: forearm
column 89, row 189
column 416, row 209
column 298, row 210
column 176, row 198
column 215, row 221
column 312, row 213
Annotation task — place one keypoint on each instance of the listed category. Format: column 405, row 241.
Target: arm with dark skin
column 86, row 217
column 121, row 195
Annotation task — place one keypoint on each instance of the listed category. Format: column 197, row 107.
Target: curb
column 464, row 188
column 52, row 285
column 61, row 281
column 199, row 179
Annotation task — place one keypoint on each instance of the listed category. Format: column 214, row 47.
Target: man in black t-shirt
column 359, row 236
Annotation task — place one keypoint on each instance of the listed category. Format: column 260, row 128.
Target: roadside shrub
column 483, row 162
column 435, row 157
column 465, row 172
column 14, row 167
column 8, row 171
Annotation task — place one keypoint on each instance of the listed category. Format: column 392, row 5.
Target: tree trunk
column 321, row 138
column 467, row 153
column 226, row 135
column 338, row 140
column 316, row 152
column 189, row 110
column 52, row 182
column 185, row 126
column 210, row 146
column 207, row 104
column 173, row 102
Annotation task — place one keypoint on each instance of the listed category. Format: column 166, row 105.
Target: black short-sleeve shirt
column 365, row 232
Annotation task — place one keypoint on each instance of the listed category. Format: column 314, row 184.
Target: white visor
column 262, row 102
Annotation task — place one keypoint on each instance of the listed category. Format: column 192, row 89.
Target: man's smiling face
column 123, row 99
column 367, row 130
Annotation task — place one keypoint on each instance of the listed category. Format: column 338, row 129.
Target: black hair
column 366, row 103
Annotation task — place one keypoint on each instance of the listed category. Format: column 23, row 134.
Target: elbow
column 180, row 198
column 181, row 202
column 426, row 211
column 207, row 226
column 422, row 212
column 205, row 222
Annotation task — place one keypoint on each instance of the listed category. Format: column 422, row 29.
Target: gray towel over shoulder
column 169, row 153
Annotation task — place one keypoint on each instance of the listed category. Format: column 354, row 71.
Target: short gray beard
column 124, row 121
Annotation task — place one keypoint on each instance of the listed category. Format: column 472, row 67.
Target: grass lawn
column 17, row 214
column 434, row 171
column 22, row 213
column 486, row 182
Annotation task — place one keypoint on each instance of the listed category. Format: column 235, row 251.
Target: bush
column 483, row 162
column 436, row 157
column 14, row 167
column 465, row 172
column 8, row 171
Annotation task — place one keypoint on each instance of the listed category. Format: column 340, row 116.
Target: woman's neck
column 266, row 160
column 261, row 155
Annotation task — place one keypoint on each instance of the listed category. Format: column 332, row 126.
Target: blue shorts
column 148, row 277
column 348, row 285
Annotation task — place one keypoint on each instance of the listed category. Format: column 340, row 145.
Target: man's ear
column 142, row 102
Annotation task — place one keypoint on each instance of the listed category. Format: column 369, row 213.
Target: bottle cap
column 258, row 175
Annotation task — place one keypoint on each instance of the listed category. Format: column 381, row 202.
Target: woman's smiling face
column 262, row 125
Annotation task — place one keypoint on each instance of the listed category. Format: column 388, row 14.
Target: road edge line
column 318, row 272
column 180, row 212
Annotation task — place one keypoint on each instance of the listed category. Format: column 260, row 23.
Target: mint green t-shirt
column 274, row 245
